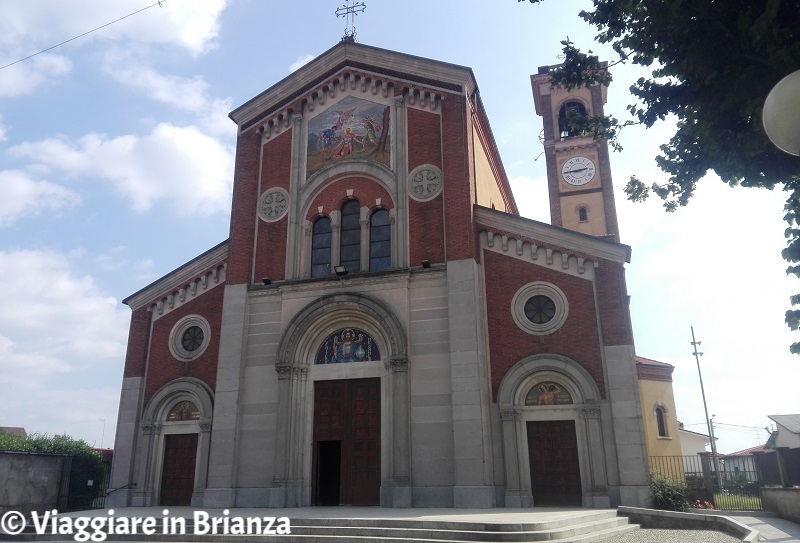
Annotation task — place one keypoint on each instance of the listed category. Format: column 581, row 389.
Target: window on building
column 568, row 111
column 350, row 244
column 583, row 214
column 661, row 421
column 380, row 241
column 321, row 248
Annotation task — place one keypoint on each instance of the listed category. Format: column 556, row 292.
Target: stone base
column 473, row 497
column 396, row 496
column 219, row 498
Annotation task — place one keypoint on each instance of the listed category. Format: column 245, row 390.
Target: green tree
column 713, row 64
column 86, row 462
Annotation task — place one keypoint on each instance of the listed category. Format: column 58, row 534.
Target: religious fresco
column 351, row 129
column 348, row 345
column 548, row 393
column 184, row 410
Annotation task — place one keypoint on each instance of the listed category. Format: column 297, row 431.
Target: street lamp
column 781, row 114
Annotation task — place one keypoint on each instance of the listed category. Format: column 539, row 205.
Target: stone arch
column 512, row 388
column 317, row 320
column 585, row 410
column 154, row 428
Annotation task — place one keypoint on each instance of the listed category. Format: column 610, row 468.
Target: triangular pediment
column 353, row 67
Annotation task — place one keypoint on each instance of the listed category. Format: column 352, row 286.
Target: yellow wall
column 488, row 191
column 653, row 393
column 593, row 201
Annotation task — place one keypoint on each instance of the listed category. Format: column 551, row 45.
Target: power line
column 158, row 3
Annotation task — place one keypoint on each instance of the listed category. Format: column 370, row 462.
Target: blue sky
column 116, row 160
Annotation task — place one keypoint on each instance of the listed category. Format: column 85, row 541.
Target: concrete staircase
column 582, row 527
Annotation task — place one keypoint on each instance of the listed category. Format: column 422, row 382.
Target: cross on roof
column 349, row 10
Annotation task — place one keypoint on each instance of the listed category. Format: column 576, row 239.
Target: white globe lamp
column 781, row 114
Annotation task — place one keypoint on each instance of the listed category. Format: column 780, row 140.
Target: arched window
column 321, row 248
column 350, row 244
column 583, row 214
column 569, row 109
column 661, row 421
column 380, row 241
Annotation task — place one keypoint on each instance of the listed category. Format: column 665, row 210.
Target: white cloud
column 24, row 197
column 186, row 94
column 179, row 165
column 44, row 298
column 28, row 27
column 25, row 77
column 3, row 130
column 44, row 23
column 300, row 62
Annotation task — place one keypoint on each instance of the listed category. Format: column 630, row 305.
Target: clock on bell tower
column 578, row 169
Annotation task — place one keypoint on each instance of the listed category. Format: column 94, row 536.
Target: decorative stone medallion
column 425, row 183
column 273, row 205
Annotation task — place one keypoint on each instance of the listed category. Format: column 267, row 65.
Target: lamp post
column 781, row 114
column 709, row 422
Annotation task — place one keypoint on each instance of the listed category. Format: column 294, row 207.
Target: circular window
column 189, row 337
column 539, row 308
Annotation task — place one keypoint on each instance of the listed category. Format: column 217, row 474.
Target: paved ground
column 672, row 536
column 773, row 528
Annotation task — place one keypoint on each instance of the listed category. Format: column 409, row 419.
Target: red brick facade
column 366, row 191
column 577, row 338
column 163, row 367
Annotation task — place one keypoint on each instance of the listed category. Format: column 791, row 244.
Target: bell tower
column 578, row 168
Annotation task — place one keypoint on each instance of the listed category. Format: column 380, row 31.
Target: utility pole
column 714, row 456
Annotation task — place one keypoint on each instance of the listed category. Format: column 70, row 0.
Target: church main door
column 555, row 472
column 177, row 476
column 347, row 437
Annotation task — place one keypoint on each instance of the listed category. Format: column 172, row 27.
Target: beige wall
column 655, row 393
column 488, row 192
column 596, row 223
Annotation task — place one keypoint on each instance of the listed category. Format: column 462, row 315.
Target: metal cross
column 349, row 12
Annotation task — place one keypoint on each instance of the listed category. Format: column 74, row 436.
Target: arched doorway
column 176, row 429
column 552, row 435
column 343, row 431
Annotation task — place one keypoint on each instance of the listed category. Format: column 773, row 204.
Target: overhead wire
column 158, row 3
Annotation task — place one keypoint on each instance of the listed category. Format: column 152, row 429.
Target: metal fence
column 726, row 483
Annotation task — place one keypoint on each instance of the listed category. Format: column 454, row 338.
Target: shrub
column 668, row 494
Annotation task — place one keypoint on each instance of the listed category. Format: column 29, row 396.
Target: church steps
column 583, row 528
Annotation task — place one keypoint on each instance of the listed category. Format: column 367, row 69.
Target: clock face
column 578, row 171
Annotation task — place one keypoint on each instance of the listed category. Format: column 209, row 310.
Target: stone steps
column 583, row 527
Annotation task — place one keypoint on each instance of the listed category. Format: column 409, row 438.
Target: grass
column 737, row 502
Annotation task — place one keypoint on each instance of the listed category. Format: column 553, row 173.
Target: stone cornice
column 497, row 221
column 381, row 63
column 197, row 274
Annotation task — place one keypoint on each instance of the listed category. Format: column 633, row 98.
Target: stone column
column 288, row 483
column 597, row 458
column 400, row 495
column 293, row 263
column 400, row 233
column 515, row 495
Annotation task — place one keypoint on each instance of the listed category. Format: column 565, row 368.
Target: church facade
column 382, row 327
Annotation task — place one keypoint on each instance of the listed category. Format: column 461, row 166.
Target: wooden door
column 177, row 475
column 553, row 456
column 347, row 438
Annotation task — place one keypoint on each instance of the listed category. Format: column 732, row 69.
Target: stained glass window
column 348, row 345
column 350, row 244
column 321, row 248
column 548, row 393
column 184, row 410
column 380, row 241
